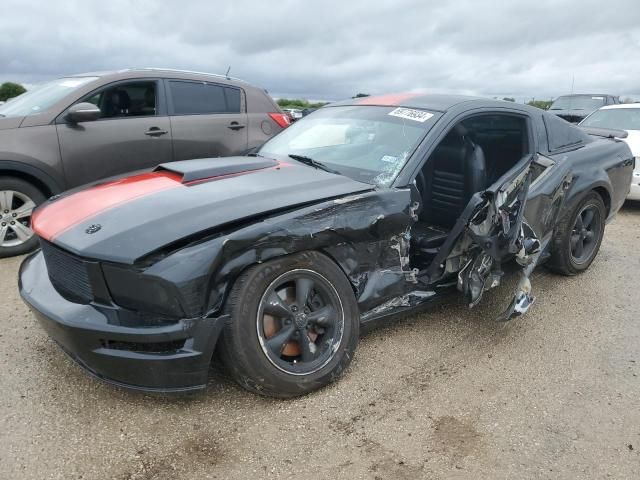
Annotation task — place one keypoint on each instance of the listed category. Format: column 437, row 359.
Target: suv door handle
column 155, row 132
column 235, row 126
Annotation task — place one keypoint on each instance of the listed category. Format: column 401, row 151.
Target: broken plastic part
column 521, row 301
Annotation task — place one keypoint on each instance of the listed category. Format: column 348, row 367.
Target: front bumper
column 168, row 358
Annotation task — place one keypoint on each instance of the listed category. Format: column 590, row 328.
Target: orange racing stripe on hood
column 52, row 219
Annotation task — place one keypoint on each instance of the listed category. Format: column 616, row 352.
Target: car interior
column 134, row 99
column 474, row 154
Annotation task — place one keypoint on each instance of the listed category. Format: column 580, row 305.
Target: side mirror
column 83, row 112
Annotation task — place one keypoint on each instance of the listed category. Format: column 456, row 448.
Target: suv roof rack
column 175, row 70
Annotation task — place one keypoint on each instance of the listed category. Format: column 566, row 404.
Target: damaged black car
column 365, row 209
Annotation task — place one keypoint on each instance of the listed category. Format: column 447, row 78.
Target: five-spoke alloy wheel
column 300, row 319
column 293, row 327
column 17, row 201
column 585, row 233
column 578, row 235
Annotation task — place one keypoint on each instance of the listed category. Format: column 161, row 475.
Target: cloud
column 334, row 49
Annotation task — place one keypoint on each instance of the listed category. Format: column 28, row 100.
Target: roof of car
column 147, row 70
column 621, row 105
column 427, row 101
column 587, row 95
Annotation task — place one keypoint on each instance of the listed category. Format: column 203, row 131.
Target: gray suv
column 82, row 128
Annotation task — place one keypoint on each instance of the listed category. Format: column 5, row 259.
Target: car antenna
column 227, row 74
column 573, row 81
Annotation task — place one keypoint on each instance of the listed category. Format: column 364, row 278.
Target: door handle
column 235, row 126
column 155, row 132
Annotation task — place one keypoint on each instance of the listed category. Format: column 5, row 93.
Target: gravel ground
column 445, row 394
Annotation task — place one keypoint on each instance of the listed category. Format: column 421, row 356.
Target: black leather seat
column 118, row 103
column 454, row 172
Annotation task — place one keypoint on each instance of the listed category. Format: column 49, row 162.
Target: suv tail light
column 281, row 119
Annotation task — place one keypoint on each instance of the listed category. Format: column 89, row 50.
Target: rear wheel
column 18, row 198
column 293, row 328
column 578, row 236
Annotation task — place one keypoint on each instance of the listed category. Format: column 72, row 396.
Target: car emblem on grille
column 93, row 228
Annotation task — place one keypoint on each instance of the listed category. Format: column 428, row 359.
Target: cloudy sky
column 333, row 49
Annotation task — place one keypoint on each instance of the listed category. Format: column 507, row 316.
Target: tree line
column 9, row 90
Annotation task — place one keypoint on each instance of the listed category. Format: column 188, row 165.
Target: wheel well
column 606, row 198
column 28, row 178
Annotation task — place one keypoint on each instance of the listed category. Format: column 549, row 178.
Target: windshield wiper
column 313, row 163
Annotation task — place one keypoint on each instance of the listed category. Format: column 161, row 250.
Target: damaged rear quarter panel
column 366, row 234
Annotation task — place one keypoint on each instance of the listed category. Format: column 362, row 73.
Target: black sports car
column 365, row 209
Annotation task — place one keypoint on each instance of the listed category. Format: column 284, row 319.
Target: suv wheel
column 17, row 201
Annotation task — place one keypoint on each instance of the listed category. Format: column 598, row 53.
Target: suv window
column 193, row 98
column 133, row 99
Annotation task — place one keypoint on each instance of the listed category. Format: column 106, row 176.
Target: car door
column 207, row 119
column 132, row 133
column 490, row 230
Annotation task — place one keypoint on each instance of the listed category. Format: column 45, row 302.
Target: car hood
column 7, row 123
column 124, row 220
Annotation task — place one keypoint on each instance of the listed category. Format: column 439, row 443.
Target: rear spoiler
column 605, row 132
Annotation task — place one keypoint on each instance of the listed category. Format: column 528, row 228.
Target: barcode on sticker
column 411, row 114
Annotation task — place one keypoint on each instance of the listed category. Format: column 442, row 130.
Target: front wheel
column 293, row 326
column 577, row 238
column 17, row 201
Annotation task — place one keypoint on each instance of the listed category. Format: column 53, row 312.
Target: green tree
column 298, row 103
column 542, row 104
column 9, row 90
column 508, row 99
column 360, row 95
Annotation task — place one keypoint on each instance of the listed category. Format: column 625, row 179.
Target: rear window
column 561, row 134
column 578, row 102
column 197, row 98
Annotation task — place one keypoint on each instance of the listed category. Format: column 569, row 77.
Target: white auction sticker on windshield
column 411, row 114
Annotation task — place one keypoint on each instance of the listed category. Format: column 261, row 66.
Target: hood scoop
column 205, row 168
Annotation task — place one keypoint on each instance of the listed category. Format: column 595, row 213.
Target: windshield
column 370, row 144
column 578, row 102
column 41, row 97
column 617, row 118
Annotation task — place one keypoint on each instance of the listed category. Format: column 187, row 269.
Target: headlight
column 136, row 291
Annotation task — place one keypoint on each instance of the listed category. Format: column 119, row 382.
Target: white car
column 622, row 117
column 296, row 114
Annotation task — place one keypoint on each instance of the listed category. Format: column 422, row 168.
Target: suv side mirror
column 83, row 112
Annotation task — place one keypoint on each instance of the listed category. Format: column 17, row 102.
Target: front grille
column 68, row 273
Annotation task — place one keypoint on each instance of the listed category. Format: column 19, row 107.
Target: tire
column 244, row 347
column 14, row 194
column 563, row 258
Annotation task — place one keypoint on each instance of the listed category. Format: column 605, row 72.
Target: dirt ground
column 445, row 394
